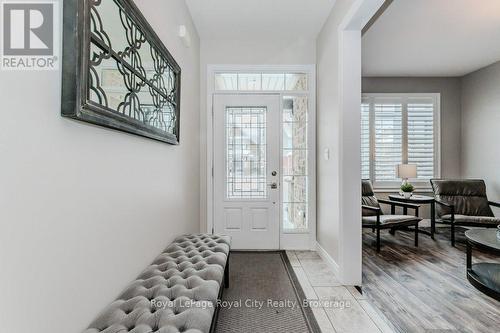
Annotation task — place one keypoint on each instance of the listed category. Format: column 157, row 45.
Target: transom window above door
column 261, row 82
column 396, row 129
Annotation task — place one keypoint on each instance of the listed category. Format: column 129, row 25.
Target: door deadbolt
column 274, row 186
column 274, row 173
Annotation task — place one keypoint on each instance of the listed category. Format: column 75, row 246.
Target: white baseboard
column 328, row 259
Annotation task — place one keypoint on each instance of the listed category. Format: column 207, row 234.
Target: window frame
column 369, row 98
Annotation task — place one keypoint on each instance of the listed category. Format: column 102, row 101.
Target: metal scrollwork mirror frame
column 87, row 45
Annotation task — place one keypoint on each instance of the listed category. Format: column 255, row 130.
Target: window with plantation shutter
column 399, row 128
column 365, row 140
column 421, row 136
column 388, row 129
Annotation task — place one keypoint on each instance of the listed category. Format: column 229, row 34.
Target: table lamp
column 406, row 171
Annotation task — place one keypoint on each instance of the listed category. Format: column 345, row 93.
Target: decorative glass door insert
column 246, row 152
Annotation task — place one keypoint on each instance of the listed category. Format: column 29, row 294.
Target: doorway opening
column 262, row 188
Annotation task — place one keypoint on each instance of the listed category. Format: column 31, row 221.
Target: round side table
column 484, row 276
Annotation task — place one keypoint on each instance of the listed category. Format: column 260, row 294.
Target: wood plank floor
column 425, row 289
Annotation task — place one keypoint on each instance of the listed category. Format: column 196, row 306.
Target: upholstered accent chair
column 463, row 203
column 375, row 219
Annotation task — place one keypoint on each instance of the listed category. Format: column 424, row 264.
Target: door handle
column 273, row 185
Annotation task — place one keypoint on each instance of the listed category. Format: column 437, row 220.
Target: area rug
column 264, row 296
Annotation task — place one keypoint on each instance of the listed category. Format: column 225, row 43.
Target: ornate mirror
column 116, row 71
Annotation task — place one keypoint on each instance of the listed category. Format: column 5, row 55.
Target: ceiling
column 433, row 38
column 259, row 19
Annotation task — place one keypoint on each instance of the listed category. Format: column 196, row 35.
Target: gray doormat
column 264, row 296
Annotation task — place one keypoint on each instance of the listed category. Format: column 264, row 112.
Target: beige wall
column 84, row 209
column 481, row 128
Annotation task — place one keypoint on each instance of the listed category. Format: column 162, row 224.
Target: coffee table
column 418, row 200
column 484, row 276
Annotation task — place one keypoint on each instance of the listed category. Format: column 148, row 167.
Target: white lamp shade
column 406, row 171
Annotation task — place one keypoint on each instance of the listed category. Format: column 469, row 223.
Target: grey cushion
column 368, row 198
column 176, row 293
column 472, row 219
column 468, row 197
column 391, row 219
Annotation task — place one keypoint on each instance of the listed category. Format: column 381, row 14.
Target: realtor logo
column 29, row 36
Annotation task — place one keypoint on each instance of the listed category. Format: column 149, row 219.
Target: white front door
column 246, row 169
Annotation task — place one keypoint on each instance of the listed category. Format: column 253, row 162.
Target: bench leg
column 226, row 274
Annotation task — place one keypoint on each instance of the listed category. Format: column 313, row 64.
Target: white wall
column 480, row 128
column 84, row 209
column 328, row 131
column 243, row 52
column 339, row 117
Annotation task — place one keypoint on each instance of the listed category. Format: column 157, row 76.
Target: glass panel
column 261, row 81
column 294, row 161
column 295, row 109
column 246, row 153
column 295, row 216
column 249, row 82
column 106, row 23
column 296, row 82
column 295, row 135
column 107, row 86
column 295, row 188
column 273, row 81
column 226, row 81
column 127, row 74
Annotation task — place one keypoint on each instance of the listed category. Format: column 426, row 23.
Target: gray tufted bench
column 177, row 293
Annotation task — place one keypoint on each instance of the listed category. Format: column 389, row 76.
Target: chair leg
column 416, row 234
column 452, row 234
column 378, row 239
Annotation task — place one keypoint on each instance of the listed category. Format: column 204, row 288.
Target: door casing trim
column 288, row 240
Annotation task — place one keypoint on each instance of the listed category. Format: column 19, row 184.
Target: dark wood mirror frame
column 78, row 83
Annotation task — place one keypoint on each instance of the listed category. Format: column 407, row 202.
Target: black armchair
column 463, row 203
column 374, row 218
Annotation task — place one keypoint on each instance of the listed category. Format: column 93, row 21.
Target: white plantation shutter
column 388, row 139
column 365, row 140
column 399, row 128
column 421, row 149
